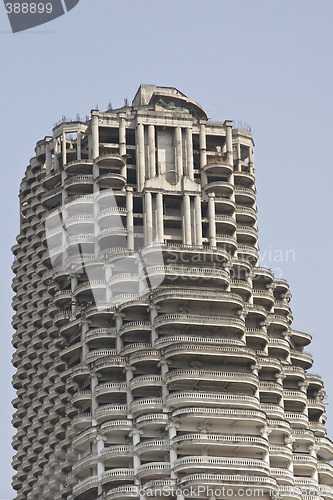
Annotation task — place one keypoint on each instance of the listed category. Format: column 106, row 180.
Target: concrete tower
column 153, row 354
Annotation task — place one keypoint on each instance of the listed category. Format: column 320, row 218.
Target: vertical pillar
column 119, row 323
column 228, row 125
column 211, row 219
column 63, row 148
column 141, row 156
column 148, row 219
column 84, row 331
column 100, row 465
column 55, row 147
column 251, row 161
column 122, row 143
column 179, row 155
column 189, row 154
column 203, row 153
column 187, row 220
column 151, row 151
column 79, row 146
column 130, row 219
column 153, row 309
column 159, row 221
column 48, row 158
column 198, row 222
column 239, row 156
column 95, row 135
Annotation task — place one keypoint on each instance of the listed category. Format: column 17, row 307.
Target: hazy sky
column 265, row 62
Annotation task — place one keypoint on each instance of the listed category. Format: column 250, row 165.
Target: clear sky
column 264, row 62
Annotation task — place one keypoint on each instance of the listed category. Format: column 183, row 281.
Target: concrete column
column 251, row 160
column 130, row 219
column 239, row 166
column 79, row 146
column 129, row 376
column 94, row 384
column 203, row 153
column 187, row 220
column 151, row 151
column 63, row 148
column 84, row 330
column 189, row 153
column 48, row 158
column 122, row 143
column 160, row 223
column 95, row 136
column 179, row 155
column 211, row 219
column 141, row 156
column 100, row 465
column 228, row 125
column 153, row 314
column 55, row 148
column 148, row 219
column 198, row 217
column 119, row 323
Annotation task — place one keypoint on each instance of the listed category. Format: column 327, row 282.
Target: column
column 198, row 222
column 84, row 331
column 148, row 219
column 95, row 135
column 172, row 428
column 140, row 156
column 228, row 125
column 119, row 323
column 251, row 161
column 159, row 221
column 239, row 158
column 203, row 153
column 130, row 219
column 153, row 309
column 189, row 154
column 48, row 158
column 187, row 220
column 211, row 219
column 79, row 146
column 55, row 147
column 100, row 465
column 151, row 151
column 179, row 156
column 122, row 143
column 63, row 148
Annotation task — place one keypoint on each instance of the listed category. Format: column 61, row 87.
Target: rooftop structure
column 153, row 353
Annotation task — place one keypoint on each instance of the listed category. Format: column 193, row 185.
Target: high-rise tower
column 152, row 351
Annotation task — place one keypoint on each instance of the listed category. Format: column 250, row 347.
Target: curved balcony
column 185, row 275
column 110, row 390
column 117, row 475
column 189, row 321
column 145, row 381
column 101, row 335
column 263, row 297
column 111, row 180
column 116, row 455
column 151, row 420
column 150, row 447
column 278, row 347
column 79, row 183
column 194, row 442
column 241, row 287
column 116, row 426
column 294, row 372
column 231, row 481
column 304, row 464
column 144, row 405
column 271, row 388
column 297, row 420
column 282, row 475
column 228, row 242
column 273, row 411
column 81, row 398
column 295, row 396
column 245, row 195
column 110, row 161
column 237, row 355
column 300, row 339
column 123, row 492
column 144, row 356
column 79, row 167
column 325, row 448
column 243, row 178
column 154, row 469
column 82, row 421
column 278, row 322
column 247, row 234
column 194, row 398
column 107, row 412
column 325, row 472
column 197, row 463
column 108, row 217
column 220, row 169
column 88, row 486
column 301, row 359
column 176, row 295
column 250, row 418
column 219, row 187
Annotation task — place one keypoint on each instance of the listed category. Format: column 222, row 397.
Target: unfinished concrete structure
column 198, row 381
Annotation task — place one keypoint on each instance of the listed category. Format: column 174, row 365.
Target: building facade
column 154, row 357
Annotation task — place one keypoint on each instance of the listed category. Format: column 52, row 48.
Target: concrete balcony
column 237, row 417
column 278, row 348
column 116, row 455
column 230, row 481
column 186, row 321
column 87, row 486
column 300, row 339
column 247, row 234
column 181, row 399
column 273, row 411
column 186, row 350
column 171, row 340
column 245, row 195
column 325, row 448
column 193, row 276
column 111, row 180
column 271, row 388
column 221, row 168
column 325, row 472
column 107, row 412
column 219, row 187
column 153, row 470
column 123, row 492
column 282, row 475
column 79, row 167
column 149, row 448
column 149, row 355
column 301, row 359
column 297, row 420
column 304, row 464
column 110, row 161
column 110, row 389
column 116, row 427
column 151, row 420
column 263, row 297
column 235, row 378
column 217, row 443
column 174, row 296
column 241, row 465
column 116, row 476
column 144, row 405
column 146, row 382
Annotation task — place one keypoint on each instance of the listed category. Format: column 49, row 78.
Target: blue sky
column 267, row 63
